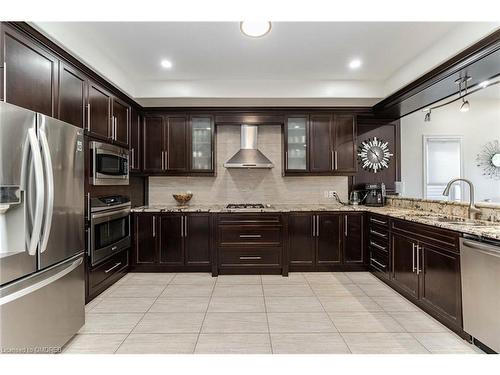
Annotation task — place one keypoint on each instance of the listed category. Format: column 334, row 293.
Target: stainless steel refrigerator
column 42, row 288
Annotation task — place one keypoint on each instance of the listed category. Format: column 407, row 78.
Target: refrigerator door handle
column 50, row 191
column 39, row 285
column 32, row 240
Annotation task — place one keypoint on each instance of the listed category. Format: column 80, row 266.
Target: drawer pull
column 250, row 236
column 378, row 221
column 378, row 263
column 250, row 258
column 378, row 233
column 112, row 268
column 377, row 246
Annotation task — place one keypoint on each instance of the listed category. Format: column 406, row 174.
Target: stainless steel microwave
column 110, row 164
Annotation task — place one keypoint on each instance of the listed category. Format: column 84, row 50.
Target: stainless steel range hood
column 249, row 156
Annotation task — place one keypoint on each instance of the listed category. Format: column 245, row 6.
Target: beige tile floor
column 325, row 312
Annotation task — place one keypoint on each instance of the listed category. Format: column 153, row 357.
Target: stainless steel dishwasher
column 480, row 263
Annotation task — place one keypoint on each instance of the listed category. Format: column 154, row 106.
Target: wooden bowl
column 182, row 198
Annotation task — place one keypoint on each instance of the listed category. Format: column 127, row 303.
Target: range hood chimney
column 249, row 156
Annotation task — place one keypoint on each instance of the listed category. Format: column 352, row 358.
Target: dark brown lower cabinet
column 404, row 272
column 172, row 242
column 326, row 241
column 106, row 274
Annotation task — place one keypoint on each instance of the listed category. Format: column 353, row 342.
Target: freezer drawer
column 41, row 313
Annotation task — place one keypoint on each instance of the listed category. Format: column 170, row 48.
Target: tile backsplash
column 248, row 185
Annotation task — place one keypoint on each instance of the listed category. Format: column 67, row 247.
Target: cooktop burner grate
column 245, row 205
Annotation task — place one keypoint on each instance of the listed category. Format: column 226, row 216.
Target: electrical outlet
column 330, row 193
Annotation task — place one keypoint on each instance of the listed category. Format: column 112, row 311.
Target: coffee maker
column 375, row 194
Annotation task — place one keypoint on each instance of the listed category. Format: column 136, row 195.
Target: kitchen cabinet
column 30, row 73
column 325, row 241
column 176, row 153
column 202, row 143
column 99, row 112
column 106, row 274
column 353, row 241
column 72, row 98
column 320, row 144
column 136, row 125
column 153, row 144
column 172, row 241
column 120, row 122
column 344, row 144
column 404, row 263
column 378, row 245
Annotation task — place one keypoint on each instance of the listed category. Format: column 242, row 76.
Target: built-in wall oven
column 109, row 227
column 110, row 164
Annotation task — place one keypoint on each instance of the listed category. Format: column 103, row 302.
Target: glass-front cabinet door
column 296, row 144
column 202, row 147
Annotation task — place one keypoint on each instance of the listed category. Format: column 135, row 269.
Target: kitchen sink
column 460, row 221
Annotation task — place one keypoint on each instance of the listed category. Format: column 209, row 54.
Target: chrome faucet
column 473, row 210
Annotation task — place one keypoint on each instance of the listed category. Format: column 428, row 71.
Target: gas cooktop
column 246, row 206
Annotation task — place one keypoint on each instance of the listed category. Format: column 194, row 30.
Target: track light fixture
column 465, row 103
column 427, row 117
column 465, row 106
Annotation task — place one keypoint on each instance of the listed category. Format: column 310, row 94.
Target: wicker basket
column 183, row 198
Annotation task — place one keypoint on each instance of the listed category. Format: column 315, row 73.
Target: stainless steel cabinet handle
column 286, row 160
column 314, row 225
column 250, row 236
column 4, row 81
column 154, row 226
column 413, row 257
column 377, row 246
column 418, row 260
column 317, row 225
column 116, row 127
column 345, row 225
column 378, row 233
column 182, row 226
column 112, row 268
column 88, row 206
column 162, row 161
column 133, row 158
column 250, row 258
column 166, row 159
column 88, row 117
column 336, row 160
column 377, row 263
column 89, row 239
column 212, row 160
column 332, row 161
column 185, row 226
column 378, row 221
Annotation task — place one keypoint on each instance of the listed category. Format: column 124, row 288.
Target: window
column 442, row 162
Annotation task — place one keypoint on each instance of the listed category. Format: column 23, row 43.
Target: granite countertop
column 487, row 229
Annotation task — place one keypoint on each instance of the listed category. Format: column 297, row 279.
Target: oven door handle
column 111, row 215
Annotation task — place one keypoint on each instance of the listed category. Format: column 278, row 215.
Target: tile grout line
column 267, row 317
column 205, row 316
column 328, row 315
column 144, row 314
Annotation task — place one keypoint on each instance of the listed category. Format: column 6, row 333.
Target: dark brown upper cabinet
column 202, row 144
column 120, row 122
column 153, row 144
column 136, row 124
column 176, row 153
column 72, row 96
column 320, row 144
column 344, row 143
column 99, row 112
column 30, row 73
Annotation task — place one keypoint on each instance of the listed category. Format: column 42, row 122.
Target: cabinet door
column 404, row 262
column 99, row 102
column 30, row 73
column 329, row 237
column 353, row 238
column 344, row 143
column 72, row 96
column 320, row 152
column 135, row 141
column 301, row 244
column 153, row 144
column 121, row 116
column 440, row 286
column 296, row 138
column 202, row 145
column 197, row 239
column 176, row 158
column 146, row 232
column 171, row 244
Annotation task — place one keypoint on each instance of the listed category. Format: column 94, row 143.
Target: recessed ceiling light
column 255, row 29
column 167, row 64
column 484, row 84
column 355, row 64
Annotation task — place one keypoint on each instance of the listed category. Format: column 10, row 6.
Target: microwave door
column 63, row 230
column 19, row 163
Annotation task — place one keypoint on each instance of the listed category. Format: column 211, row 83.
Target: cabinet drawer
column 237, row 257
column 247, row 235
column 378, row 233
column 250, row 219
column 107, row 269
column 379, row 220
column 379, row 260
column 426, row 233
column 378, row 244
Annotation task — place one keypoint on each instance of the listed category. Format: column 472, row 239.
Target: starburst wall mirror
column 489, row 160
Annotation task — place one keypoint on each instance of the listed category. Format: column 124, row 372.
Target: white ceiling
column 297, row 60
